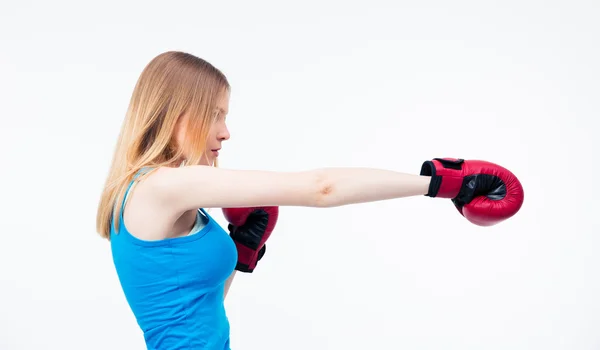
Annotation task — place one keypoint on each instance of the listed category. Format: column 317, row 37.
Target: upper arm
column 199, row 186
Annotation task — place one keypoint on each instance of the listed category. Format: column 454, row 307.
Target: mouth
column 216, row 152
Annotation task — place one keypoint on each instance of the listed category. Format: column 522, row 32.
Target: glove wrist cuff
column 446, row 177
column 243, row 267
column 248, row 259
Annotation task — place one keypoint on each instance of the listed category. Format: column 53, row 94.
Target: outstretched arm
column 189, row 187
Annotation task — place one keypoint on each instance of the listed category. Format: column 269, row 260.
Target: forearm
column 342, row 186
column 228, row 283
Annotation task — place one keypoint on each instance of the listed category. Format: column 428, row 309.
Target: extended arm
column 191, row 187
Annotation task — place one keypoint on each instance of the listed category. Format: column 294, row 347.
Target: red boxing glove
column 250, row 228
column 483, row 192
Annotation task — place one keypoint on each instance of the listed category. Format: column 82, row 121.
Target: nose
column 223, row 134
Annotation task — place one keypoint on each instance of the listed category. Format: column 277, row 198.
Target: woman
column 175, row 264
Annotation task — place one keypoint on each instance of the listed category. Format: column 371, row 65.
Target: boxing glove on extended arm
column 483, row 192
column 250, row 228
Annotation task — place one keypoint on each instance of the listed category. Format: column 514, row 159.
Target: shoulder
column 170, row 188
column 146, row 213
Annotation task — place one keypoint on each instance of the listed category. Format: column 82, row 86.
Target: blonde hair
column 171, row 85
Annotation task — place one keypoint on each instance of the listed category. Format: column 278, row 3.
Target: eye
column 220, row 114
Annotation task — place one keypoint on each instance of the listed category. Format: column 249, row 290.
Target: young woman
column 174, row 263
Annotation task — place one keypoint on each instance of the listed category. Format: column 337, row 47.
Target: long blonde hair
column 171, row 85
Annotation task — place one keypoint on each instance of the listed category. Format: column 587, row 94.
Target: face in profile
column 218, row 132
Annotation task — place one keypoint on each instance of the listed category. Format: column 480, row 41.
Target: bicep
column 208, row 187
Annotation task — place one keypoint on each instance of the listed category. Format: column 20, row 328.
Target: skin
column 164, row 204
column 217, row 134
column 140, row 202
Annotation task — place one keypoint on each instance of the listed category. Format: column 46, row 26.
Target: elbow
column 323, row 190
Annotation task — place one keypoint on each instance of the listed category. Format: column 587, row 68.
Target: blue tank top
column 175, row 287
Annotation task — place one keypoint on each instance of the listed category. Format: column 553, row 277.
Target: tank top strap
column 205, row 213
column 139, row 173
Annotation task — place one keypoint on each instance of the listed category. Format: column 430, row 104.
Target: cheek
column 212, row 134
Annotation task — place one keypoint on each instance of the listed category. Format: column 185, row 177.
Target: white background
column 315, row 84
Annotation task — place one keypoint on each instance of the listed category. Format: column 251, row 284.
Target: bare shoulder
column 147, row 215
